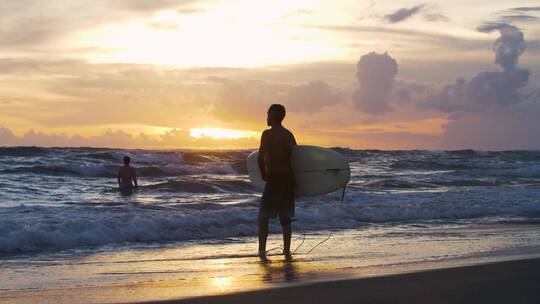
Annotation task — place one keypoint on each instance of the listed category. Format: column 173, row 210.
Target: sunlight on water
column 221, row 283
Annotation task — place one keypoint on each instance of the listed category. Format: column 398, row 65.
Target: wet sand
column 503, row 282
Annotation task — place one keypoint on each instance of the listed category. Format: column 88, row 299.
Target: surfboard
column 317, row 170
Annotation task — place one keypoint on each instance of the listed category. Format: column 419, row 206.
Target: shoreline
column 515, row 281
column 510, row 281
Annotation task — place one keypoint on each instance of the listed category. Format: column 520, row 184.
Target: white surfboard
column 317, row 170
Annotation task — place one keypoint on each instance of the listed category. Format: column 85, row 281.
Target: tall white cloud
column 375, row 75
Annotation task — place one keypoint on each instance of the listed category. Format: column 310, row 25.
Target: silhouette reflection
column 279, row 271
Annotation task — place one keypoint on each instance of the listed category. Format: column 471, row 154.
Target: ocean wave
column 395, row 183
column 110, row 171
column 465, row 153
column 429, row 165
column 23, row 151
column 110, row 156
column 28, row 229
column 201, row 186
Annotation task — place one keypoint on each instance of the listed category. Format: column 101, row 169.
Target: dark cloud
column 526, row 9
column 519, row 15
column 509, row 46
column 375, row 75
column 491, row 110
column 436, row 17
column 494, row 109
column 519, row 18
column 403, row 14
column 489, row 88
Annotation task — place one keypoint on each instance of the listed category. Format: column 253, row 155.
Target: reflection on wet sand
column 279, row 271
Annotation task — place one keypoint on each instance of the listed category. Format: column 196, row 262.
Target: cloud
column 243, row 103
column 491, row 110
column 247, row 102
column 509, row 46
column 414, row 36
column 175, row 138
column 494, row 109
column 436, row 17
column 489, row 88
column 519, row 18
column 526, row 9
column 311, row 97
column 403, row 14
column 497, row 129
column 27, row 25
column 519, row 15
column 375, row 75
column 74, row 96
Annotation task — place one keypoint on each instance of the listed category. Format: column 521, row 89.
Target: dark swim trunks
column 278, row 196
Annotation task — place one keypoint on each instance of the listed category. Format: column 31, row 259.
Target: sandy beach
column 503, row 282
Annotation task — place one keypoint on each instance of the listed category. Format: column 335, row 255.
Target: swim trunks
column 278, row 196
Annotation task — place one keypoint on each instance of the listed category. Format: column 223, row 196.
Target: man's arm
column 262, row 152
column 293, row 140
column 119, row 178
column 135, row 178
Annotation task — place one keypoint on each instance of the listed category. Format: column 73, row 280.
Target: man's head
column 276, row 113
column 127, row 159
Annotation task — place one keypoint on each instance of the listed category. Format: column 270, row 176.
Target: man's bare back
column 275, row 152
column 127, row 177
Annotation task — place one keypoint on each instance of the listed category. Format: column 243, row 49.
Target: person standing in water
column 275, row 155
column 127, row 178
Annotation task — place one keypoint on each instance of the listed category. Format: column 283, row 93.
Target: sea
column 65, row 224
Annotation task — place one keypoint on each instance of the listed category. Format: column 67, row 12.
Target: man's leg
column 263, row 234
column 287, row 232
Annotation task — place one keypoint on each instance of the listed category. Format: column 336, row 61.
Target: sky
column 169, row 74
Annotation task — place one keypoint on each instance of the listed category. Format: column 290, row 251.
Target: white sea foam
column 41, row 228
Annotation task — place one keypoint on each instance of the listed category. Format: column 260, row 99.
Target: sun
column 220, row 133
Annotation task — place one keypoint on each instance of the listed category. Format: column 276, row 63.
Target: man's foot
column 287, row 254
column 262, row 255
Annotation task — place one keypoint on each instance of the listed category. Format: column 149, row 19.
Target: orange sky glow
column 201, row 73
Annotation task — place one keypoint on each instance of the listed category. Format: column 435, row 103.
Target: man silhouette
column 127, row 178
column 275, row 154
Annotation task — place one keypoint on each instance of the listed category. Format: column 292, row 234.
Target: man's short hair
column 278, row 111
column 127, row 159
